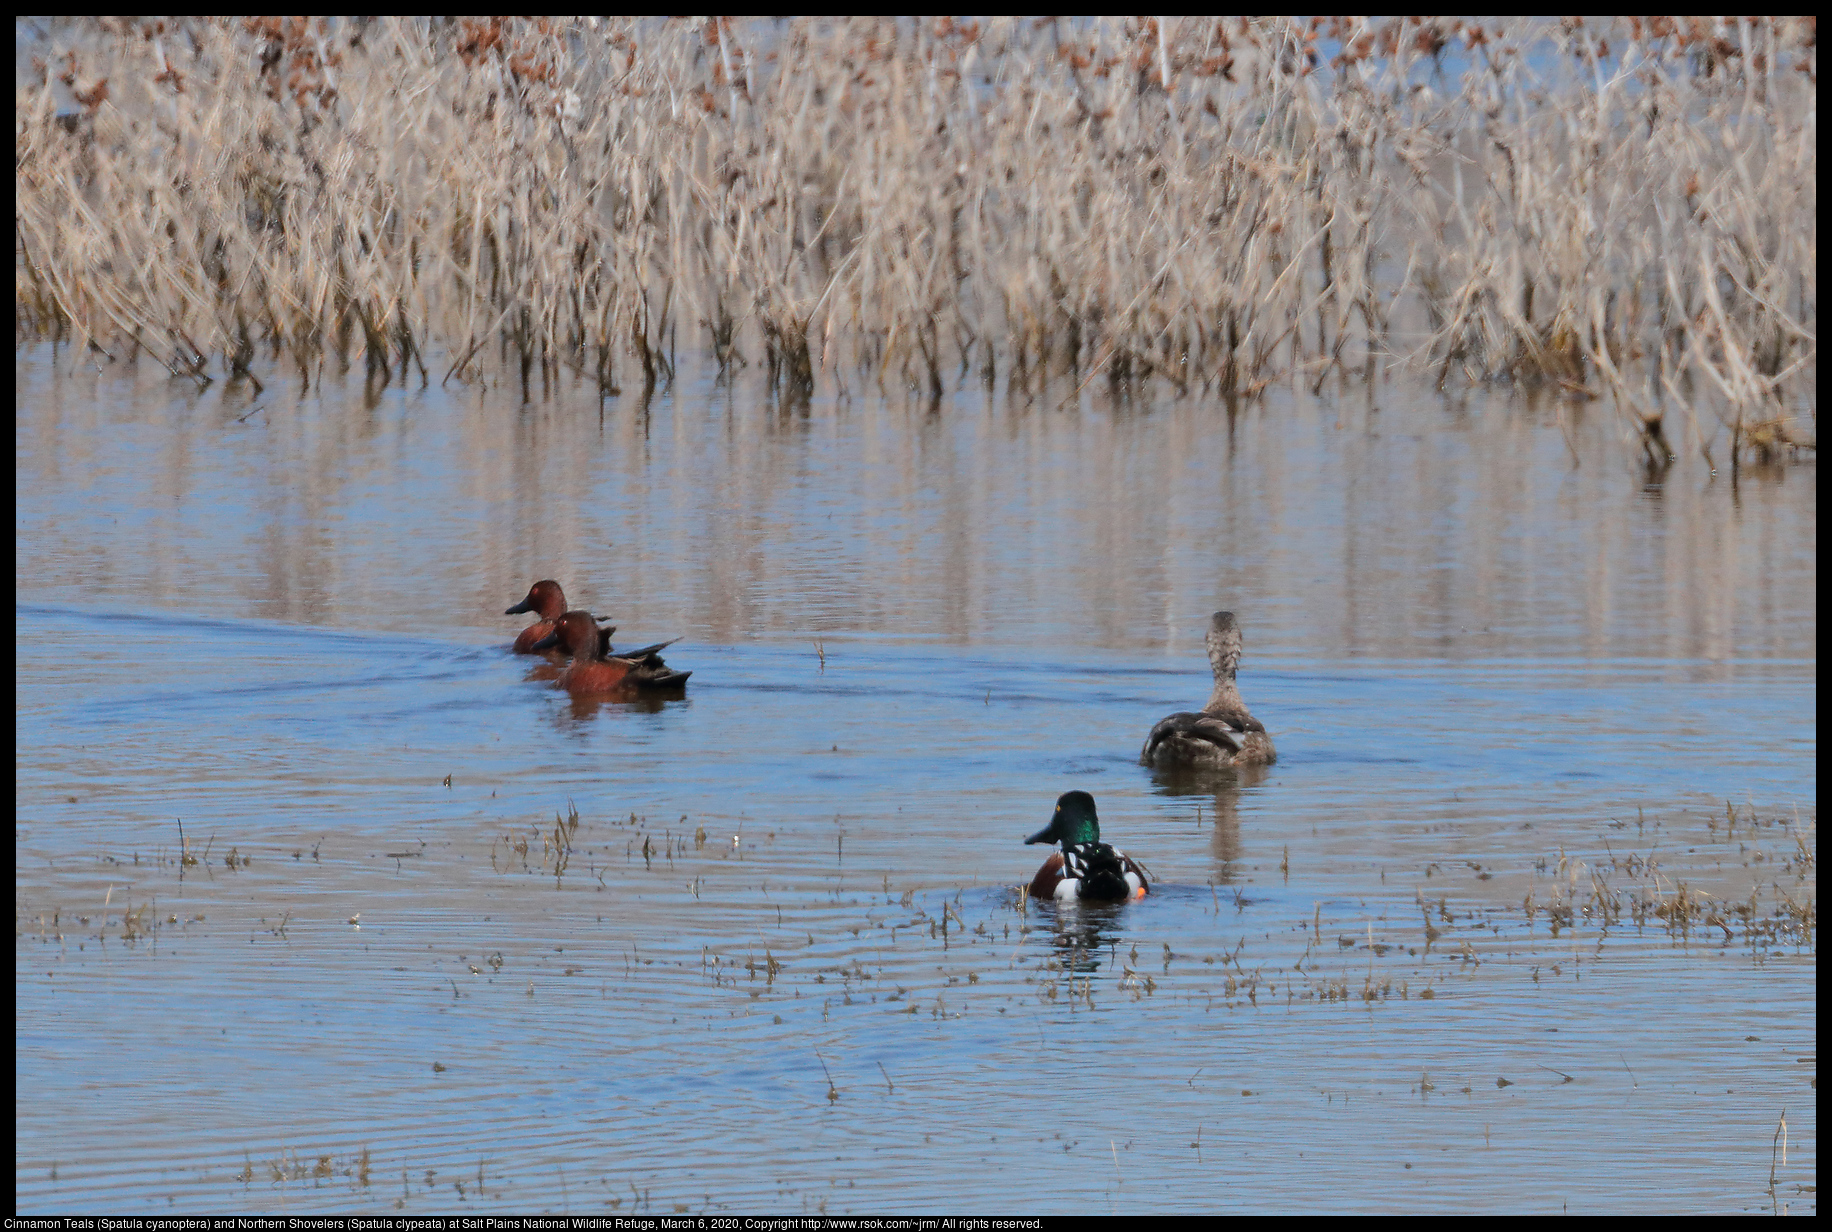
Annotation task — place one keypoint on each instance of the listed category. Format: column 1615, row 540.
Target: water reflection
column 581, row 707
column 1334, row 530
column 1084, row 935
column 1219, row 792
column 908, row 629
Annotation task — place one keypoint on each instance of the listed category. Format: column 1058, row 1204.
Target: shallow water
column 774, row 960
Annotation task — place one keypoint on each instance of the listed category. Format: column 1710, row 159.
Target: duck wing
column 1136, row 875
column 604, row 636
column 649, row 671
column 658, row 676
column 1199, row 726
column 1101, row 870
column 646, row 651
column 1235, row 715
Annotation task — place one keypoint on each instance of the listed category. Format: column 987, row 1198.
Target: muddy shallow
column 1488, row 931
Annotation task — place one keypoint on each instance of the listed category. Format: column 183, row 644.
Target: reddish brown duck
column 593, row 672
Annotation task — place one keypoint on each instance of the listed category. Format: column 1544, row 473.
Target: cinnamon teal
column 548, row 602
column 594, row 672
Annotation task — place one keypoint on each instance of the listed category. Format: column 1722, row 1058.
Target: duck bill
column 518, row 609
column 1045, row 835
column 547, row 643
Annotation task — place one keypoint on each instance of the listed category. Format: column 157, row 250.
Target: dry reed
column 1623, row 210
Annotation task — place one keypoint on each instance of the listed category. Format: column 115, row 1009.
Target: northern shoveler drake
column 547, row 601
column 1085, row 868
column 592, row 671
column 1222, row 733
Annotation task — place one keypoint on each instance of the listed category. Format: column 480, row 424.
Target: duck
column 1222, row 733
column 592, row 671
column 547, row 601
column 1085, row 868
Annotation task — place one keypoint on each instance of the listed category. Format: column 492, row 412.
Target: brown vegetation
column 1623, row 210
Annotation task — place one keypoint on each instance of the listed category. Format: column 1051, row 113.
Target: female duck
column 1222, row 733
column 1085, row 868
column 593, row 672
column 547, row 601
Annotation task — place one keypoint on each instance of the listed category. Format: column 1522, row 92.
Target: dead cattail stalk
column 1207, row 203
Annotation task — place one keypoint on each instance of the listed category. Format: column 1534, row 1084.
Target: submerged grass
column 1621, row 210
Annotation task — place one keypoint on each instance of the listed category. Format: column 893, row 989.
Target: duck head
column 576, row 633
column 545, row 599
column 1073, row 822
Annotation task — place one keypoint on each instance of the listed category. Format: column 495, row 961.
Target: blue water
column 375, row 989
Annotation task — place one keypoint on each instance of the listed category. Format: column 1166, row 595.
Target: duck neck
column 1225, row 696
